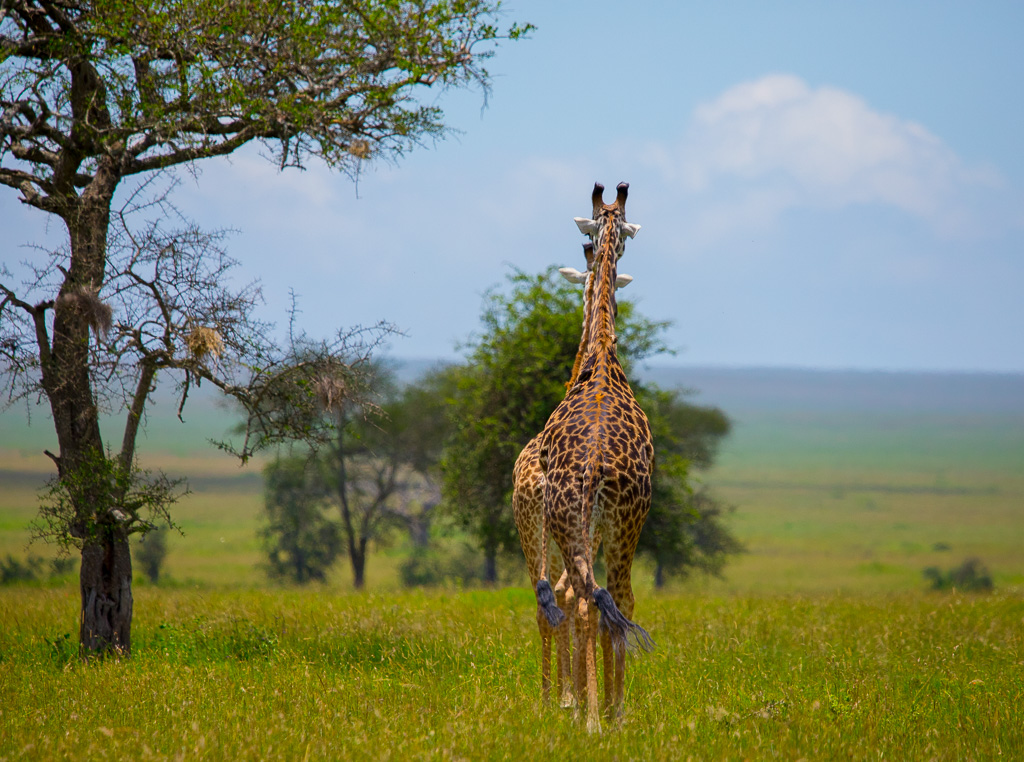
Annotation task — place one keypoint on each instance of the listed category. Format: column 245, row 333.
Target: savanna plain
column 822, row 641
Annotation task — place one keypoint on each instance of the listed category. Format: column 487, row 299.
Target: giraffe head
column 608, row 228
column 608, row 231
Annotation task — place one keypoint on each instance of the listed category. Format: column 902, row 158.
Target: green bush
column 14, row 570
column 970, row 576
column 431, row 566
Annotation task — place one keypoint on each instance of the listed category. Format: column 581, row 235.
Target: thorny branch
column 177, row 317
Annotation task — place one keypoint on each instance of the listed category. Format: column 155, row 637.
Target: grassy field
column 821, row 641
column 317, row 674
column 824, row 504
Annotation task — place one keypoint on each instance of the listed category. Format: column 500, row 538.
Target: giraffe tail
column 545, row 596
column 546, row 601
column 625, row 634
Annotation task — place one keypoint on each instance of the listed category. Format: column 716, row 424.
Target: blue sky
column 819, row 185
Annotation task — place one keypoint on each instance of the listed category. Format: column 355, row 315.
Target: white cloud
column 774, row 144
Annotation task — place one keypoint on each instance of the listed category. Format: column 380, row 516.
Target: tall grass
column 318, row 675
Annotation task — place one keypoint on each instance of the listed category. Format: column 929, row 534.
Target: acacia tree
column 97, row 92
column 166, row 312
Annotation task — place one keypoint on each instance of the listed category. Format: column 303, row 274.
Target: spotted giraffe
column 597, row 456
column 528, row 511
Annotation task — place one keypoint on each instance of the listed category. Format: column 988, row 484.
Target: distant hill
column 775, row 389
column 783, row 418
column 796, row 389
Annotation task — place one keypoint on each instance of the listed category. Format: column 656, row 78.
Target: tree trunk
column 659, row 575
column 106, row 570
column 106, row 587
column 358, row 556
column 490, row 566
column 419, row 525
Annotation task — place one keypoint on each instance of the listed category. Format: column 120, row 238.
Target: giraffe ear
column 587, row 227
column 628, row 228
column 573, row 275
column 623, row 280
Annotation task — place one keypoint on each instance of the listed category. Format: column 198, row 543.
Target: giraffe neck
column 601, row 307
column 581, row 353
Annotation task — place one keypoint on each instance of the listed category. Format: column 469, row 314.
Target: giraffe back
column 597, row 448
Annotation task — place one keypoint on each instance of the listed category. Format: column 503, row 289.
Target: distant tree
column 429, row 566
column 684, row 529
column 32, row 568
column 150, row 552
column 417, row 419
column 301, row 541
column 358, row 472
column 378, row 470
column 693, row 432
column 514, row 377
column 97, row 92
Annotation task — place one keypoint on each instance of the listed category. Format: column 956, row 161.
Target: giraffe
column 528, row 513
column 597, row 456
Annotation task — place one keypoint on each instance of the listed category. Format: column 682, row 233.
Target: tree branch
column 38, row 314
column 135, row 410
column 27, row 184
column 134, row 166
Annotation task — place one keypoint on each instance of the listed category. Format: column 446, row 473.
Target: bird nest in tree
column 359, row 148
column 85, row 300
column 203, row 342
column 330, row 389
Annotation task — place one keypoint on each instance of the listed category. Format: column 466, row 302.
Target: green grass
column 851, row 502
column 314, row 674
column 926, row 443
column 820, row 531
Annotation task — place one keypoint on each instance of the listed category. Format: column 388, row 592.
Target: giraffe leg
column 563, row 641
column 608, row 658
column 608, row 665
column 579, row 658
column 549, row 614
column 589, row 624
column 546, row 633
column 581, row 576
column 621, row 589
